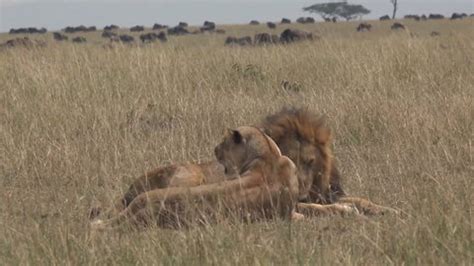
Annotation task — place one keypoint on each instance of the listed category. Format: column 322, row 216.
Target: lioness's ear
column 237, row 137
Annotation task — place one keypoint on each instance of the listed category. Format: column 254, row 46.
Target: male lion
column 264, row 184
column 300, row 135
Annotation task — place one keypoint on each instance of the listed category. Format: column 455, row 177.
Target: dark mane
column 299, row 123
column 306, row 127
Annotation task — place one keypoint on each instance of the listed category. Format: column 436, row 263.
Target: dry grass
column 79, row 122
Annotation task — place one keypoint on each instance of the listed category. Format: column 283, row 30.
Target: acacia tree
column 395, row 7
column 338, row 9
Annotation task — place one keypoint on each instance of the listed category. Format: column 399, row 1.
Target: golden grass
column 79, row 122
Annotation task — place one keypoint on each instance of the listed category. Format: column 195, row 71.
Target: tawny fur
column 266, row 186
column 300, row 134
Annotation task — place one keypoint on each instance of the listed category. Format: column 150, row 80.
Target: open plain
column 78, row 122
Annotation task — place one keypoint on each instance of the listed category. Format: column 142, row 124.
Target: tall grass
column 79, row 122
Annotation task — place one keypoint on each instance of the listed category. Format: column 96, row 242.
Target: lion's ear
column 237, row 137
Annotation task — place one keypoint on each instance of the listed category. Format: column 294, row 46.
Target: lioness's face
column 231, row 152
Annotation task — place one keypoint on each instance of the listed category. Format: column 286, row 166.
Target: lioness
column 264, row 183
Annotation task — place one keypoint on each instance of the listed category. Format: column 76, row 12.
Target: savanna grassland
column 78, row 122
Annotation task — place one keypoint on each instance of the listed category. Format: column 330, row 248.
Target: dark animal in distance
column 242, row 41
column 80, row 28
column 126, row 38
column 398, row 26
column 108, row 34
column 271, row 25
column 458, row 16
column 183, row 24
column 111, row 27
column 265, row 38
column 254, row 22
column 79, row 39
column 386, row 17
column 30, row 30
column 151, row 37
column 137, row 28
column 178, row 30
column 157, row 26
column 208, row 26
column 415, row 17
column 305, row 20
column 24, row 42
column 436, row 16
column 60, row 37
column 285, row 21
column 333, row 19
column 364, row 27
column 291, row 35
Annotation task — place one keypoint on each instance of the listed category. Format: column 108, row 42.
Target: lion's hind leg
column 313, row 209
column 367, row 207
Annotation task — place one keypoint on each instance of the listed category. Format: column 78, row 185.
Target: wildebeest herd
column 111, row 32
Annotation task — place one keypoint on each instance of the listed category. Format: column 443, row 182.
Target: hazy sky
column 56, row 14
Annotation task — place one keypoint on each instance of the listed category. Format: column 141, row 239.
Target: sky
column 56, row 14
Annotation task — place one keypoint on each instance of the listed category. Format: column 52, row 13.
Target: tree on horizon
column 338, row 9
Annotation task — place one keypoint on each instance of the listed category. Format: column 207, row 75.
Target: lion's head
column 241, row 146
column 306, row 140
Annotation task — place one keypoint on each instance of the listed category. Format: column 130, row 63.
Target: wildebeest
column 79, row 39
column 398, row 26
column 60, row 37
column 458, row 16
column 80, row 28
column 137, row 28
column 385, row 17
column 126, row 38
column 436, row 16
column 111, row 27
column 208, row 26
column 182, row 24
column 364, row 27
column 254, row 22
column 265, row 38
column 305, row 20
column 178, row 30
column 242, row 41
column 108, row 34
column 415, row 17
column 334, row 19
column 151, row 37
column 30, row 30
column 285, row 21
column 23, row 42
column 290, row 35
column 157, row 26
column 271, row 25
